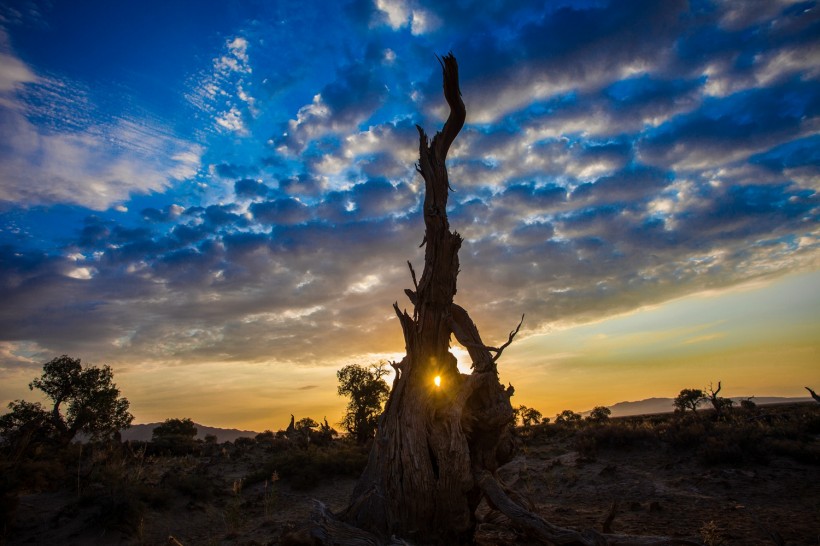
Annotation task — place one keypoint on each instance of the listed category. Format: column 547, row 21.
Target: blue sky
column 222, row 195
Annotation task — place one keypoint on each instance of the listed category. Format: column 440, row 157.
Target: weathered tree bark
column 438, row 446
column 419, row 481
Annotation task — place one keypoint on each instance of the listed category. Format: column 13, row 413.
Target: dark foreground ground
column 753, row 480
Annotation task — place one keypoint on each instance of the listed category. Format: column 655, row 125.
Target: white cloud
column 776, row 66
column 400, row 14
column 396, row 11
column 72, row 154
column 13, row 73
column 237, row 58
column 82, row 273
column 232, row 121
column 224, row 93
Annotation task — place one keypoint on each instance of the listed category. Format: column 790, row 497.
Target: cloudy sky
column 219, row 199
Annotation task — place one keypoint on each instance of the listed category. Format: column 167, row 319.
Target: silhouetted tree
column 689, row 399
column 367, row 391
column 324, row 435
column 27, row 423
column 719, row 403
column 529, row 416
column 175, row 435
column 748, row 404
column 306, row 424
column 83, row 400
column 599, row 414
column 813, row 394
column 567, row 417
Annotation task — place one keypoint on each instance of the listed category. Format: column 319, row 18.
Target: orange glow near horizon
column 758, row 340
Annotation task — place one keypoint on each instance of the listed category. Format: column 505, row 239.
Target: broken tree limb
column 536, row 527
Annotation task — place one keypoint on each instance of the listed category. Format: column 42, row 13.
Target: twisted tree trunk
column 443, row 434
column 419, row 481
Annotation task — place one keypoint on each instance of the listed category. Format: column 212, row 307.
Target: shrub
column 567, row 417
column 175, row 436
column 197, row 487
column 304, row 469
column 599, row 414
column 615, row 435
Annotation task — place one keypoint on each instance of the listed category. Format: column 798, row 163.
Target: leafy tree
column 689, row 399
column 266, row 436
column 91, row 400
column 599, row 414
column 367, row 391
column 306, row 424
column 529, row 416
column 176, row 435
column 26, row 422
column 567, row 417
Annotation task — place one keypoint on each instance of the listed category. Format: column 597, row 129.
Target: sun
column 437, row 380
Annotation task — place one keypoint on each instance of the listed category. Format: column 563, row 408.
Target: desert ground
column 751, row 481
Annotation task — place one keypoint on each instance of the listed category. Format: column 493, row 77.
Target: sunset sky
column 218, row 199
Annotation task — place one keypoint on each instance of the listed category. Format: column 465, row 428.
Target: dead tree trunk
column 443, row 434
column 419, row 483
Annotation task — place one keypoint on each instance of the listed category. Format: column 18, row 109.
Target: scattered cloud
column 57, row 147
column 614, row 157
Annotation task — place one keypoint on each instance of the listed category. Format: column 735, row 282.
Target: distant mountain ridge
column 667, row 405
column 143, row 432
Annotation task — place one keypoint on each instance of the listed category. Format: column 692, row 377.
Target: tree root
column 537, row 528
column 325, row 529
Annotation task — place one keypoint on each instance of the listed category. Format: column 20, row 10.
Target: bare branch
column 510, row 340
column 413, row 275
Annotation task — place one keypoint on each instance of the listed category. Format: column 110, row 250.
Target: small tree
column 324, row 435
column 748, row 404
column 367, row 391
column 89, row 396
column 306, row 424
column 599, row 414
column 719, row 403
column 529, row 416
column 689, row 399
column 567, row 417
column 175, row 435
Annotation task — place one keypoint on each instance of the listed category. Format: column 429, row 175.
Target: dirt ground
column 656, row 490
